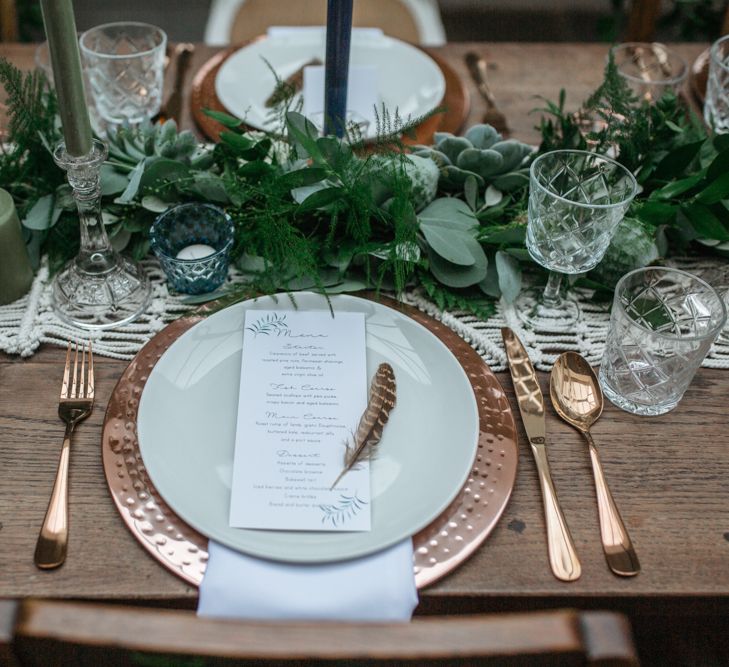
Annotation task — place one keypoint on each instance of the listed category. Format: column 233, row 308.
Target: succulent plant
column 481, row 154
column 147, row 155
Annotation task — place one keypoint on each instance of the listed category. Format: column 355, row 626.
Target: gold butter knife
column 562, row 555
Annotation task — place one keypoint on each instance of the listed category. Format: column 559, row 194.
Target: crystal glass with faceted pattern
column 125, row 70
column 576, row 201
column 716, row 104
column 662, row 325
column 650, row 68
column 190, row 224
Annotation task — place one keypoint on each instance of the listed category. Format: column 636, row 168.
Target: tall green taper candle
column 15, row 272
column 67, row 76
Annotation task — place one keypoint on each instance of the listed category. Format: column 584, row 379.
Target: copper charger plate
column 456, row 100
column 438, row 549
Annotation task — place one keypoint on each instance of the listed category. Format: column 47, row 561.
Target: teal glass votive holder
column 193, row 243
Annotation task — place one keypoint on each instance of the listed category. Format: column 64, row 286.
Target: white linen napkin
column 379, row 587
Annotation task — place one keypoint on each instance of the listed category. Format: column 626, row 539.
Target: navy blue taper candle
column 336, row 66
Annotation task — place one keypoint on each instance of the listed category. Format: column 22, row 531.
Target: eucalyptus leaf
column 450, row 243
column 108, row 218
column 454, row 275
column 112, row 181
column 302, row 193
column 509, row 276
column 56, row 212
column 350, row 285
column 163, row 171
column 500, row 234
column 210, row 187
column 154, row 204
column 39, row 215
column 120, row 240
column 64, row 198
column 490, row 284
column 252, row 263
column 319, row 199
column 449, row 212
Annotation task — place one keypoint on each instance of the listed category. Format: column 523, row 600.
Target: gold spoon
column 577, row 398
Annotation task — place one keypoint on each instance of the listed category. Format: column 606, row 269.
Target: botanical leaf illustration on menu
column 271, row 324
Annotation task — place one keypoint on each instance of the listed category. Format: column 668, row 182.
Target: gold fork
column 492, row 116
column 76, row 403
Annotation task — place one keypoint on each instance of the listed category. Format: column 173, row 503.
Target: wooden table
column 668, row 474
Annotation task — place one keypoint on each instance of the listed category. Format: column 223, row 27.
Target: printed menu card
column 303, row 389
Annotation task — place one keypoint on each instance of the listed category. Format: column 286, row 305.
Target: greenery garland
column 317, row 212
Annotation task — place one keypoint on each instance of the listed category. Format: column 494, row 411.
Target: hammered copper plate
column 456, row 100
column 441, row 547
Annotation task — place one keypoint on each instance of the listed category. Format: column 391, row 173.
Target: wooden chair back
column 52, row 633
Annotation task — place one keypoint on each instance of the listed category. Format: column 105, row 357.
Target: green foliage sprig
column 316, row 212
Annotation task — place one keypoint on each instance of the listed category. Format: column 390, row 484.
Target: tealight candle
column 195, row 251
column 16, row 274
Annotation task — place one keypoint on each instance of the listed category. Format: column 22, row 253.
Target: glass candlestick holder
column 98, row 289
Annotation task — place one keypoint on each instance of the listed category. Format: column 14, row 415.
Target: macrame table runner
column 30, row 321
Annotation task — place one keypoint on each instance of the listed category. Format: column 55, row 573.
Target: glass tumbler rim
column 669, row 81
column 121, row 56
column 571, row 151
column 714, row 52
column 158, row 250
column 617, row 302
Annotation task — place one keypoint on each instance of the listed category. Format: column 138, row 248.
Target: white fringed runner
column 30, row 321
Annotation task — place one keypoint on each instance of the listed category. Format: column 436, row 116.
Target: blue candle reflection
column 339, row 37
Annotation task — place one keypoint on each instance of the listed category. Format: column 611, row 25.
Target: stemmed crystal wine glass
column 576, row 201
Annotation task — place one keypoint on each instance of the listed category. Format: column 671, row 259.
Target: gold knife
column 562, row 554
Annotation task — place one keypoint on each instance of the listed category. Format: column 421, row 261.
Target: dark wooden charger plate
column 456, row 100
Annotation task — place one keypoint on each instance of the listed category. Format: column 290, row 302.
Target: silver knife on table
column 562, row 555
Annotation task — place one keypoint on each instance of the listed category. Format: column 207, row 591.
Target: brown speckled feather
column 373, row 420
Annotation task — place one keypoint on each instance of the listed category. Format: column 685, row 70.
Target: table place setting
column 313, row 301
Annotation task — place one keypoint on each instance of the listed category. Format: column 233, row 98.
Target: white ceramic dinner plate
column 187, row 421
column 408, row 80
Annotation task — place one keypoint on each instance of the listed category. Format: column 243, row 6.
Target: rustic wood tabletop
column 668, row 474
